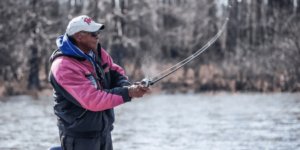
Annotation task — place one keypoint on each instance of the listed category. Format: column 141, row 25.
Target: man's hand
column 137, row 91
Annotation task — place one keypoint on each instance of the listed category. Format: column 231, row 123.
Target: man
column 87, row 85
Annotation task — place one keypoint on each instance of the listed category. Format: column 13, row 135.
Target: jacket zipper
column 82, row 114
column 94, row 67
column 79, row 116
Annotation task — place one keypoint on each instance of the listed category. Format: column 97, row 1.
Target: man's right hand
column 137, row 91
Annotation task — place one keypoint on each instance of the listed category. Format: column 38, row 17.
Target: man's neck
column 83, row 49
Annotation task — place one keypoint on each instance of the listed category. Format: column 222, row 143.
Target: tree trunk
column 260, row 13
column 33, row 80
column 123, row 10
column 113, row 4
column 94, row 9
column 69, row 5
column 231, row 40
column 271, row 18
column 254, row 23
column 298, row 7
column 178, row 2
column 46, row 70
column 122, row 5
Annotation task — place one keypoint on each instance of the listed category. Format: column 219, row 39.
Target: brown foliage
column 259, row 51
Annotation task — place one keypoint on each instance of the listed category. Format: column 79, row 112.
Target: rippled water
column 169, row 122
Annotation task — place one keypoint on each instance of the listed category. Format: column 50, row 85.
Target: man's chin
column 93, row 48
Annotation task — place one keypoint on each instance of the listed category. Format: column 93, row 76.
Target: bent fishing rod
column 148, row 82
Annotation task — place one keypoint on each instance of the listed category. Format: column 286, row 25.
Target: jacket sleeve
column 118, row 77
column 71, row 82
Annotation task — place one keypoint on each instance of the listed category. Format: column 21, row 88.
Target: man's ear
column 77, row 37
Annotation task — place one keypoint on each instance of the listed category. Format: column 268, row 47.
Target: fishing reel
column 145, row 83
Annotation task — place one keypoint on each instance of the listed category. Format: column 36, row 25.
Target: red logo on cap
column 88, row 20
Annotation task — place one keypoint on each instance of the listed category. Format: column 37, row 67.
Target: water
column 172, row 122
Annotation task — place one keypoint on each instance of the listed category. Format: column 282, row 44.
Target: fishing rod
column 148, row 82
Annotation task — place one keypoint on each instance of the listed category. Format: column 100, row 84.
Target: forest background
column 258, row 52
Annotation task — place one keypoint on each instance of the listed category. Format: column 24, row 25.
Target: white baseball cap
column 83, row 23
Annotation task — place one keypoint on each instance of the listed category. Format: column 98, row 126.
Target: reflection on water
column 177, row 122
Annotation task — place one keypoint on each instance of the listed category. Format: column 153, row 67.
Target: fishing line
column 148, row 82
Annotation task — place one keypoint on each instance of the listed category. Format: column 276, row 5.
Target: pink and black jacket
column 86, row 88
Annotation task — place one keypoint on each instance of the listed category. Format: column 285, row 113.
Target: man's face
column 87, row 41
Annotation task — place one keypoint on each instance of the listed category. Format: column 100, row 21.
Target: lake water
column 169, row 122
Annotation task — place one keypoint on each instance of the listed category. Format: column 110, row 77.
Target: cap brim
column 95, row 27
column 102, row 27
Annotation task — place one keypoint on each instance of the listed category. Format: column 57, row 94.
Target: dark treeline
column 258, row 52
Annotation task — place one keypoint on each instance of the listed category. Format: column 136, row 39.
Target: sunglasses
column 94, row 34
